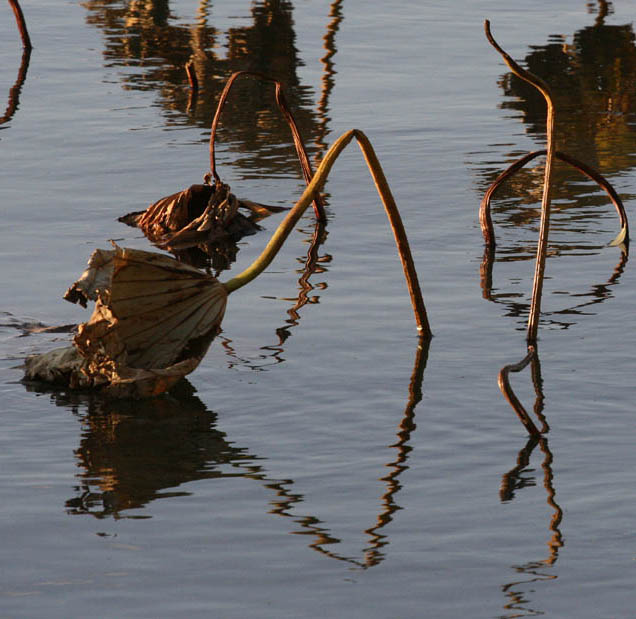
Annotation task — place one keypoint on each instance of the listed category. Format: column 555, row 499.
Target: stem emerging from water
column 382, row 186
column 542, row 247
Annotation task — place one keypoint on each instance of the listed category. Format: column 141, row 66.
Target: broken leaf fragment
column 153, row 322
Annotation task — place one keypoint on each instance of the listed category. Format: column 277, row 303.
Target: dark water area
column 322, row 460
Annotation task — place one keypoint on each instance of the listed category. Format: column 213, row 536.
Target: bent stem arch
column 542, row 247
column 487, row 228
column 284, row 108
column 503, row 380
column 318, row 180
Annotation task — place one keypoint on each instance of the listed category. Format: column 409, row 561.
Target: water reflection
column 314, row 263
column 528, row 574
column 520, row 477
column 132, row 453
column 14, row 93
column 143, row 40
column 515, row 303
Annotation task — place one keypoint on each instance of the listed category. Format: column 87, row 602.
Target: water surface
column 320, row 462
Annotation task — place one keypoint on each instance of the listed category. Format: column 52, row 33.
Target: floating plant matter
column 155, row 317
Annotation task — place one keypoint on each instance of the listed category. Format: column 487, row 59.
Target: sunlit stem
column 542, row 247
column 318, row 180
column 19, row 18
column 487, row 228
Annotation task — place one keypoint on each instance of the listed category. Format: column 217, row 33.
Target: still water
column 320, row 462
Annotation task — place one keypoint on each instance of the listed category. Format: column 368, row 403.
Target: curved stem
column 542, row 247
column 19, row 18
column 504, row 384
column 382, row 186
column 305, row 164
column 485, row 219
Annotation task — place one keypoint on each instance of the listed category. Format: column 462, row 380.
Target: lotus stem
column 318, row 180
column 485, row 219
column 19, row 18
column 542, row 246
column 305, row 164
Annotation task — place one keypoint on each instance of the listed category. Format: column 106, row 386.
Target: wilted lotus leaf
column 153, row 322
column 198, row 215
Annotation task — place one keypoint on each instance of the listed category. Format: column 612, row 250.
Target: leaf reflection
column 132, row 453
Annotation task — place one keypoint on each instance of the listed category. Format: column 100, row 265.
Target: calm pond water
column 319, row 462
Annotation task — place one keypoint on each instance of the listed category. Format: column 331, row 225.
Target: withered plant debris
column 204, row 215
column 155, row 317
column 551, row 154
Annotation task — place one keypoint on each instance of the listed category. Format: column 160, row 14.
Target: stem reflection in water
column 14, row 94
column 517, row 592
column 133, row 453
column 516, row 479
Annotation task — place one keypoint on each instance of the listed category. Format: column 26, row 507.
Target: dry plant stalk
column 542, row 247
column 194, row 84
column 504, row 385
column 21, row 22
column 305, row 164
column 622, row 239
column 155, row 317
column 551, row 153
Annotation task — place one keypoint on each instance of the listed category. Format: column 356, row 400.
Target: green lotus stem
column 542, row 246
column 318, row 180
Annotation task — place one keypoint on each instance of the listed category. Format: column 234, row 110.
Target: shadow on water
column 520, row 477
column 593, row 80
column 132, row 453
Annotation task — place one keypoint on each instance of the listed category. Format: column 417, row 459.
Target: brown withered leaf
column 200, row 214
column 153, row 322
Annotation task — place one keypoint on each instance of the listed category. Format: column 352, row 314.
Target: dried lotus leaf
column 152, row 324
